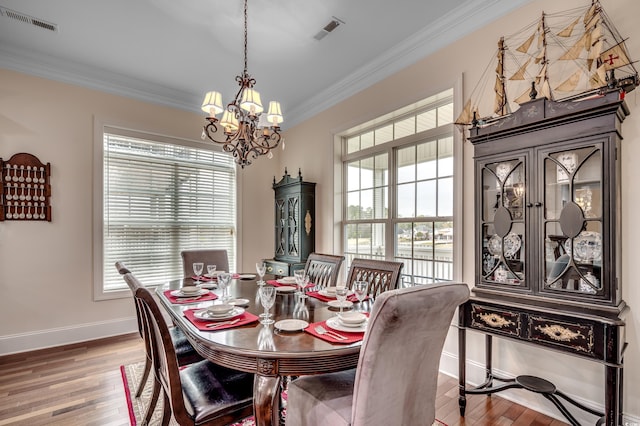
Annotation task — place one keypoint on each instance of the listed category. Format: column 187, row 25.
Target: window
column 161, row 197
column 398, row 177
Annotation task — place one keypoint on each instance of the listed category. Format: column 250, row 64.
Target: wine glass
column 360, row 289
column 197, row 270
column 267, row 299
column 261, row 268
column 341, row 296
column 224, row 278
column 300, row 282
column 211, row 270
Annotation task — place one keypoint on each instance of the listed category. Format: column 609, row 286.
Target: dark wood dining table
column 264, row 350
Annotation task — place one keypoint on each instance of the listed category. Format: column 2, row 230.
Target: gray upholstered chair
column 395, row 381
column 216, row 257
column 323, row 269
column 382, row 275
column 202, row 393
column 185, row 353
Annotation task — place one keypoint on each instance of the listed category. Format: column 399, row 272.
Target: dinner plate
column 335, row 324
column 285, row 289
column 179, row 293
column 336, row 304
column 239, row 302
column 291, row 325
column 208, row 285
column 286, row 280
column 205, row 315
column 247, row 276
column 324, row 293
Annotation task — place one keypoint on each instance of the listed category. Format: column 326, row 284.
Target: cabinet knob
column 538, row 204
column 269, row 268
column 529, row 205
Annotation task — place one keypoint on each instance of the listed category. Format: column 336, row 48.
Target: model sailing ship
column 568, row 56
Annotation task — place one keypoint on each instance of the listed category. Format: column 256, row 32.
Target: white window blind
column 159, row 199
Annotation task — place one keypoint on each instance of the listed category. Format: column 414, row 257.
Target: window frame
column 102, row 126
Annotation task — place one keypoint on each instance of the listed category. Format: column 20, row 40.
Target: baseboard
column 42, row 339
column 475, row 372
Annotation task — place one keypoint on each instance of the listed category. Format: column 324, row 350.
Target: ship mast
column 501, row 105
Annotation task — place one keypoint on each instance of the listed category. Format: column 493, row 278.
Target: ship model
column 568, row 56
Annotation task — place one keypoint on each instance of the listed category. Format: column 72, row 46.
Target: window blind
column 162, row 198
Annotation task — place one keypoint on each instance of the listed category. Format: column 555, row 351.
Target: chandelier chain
column 245, row 36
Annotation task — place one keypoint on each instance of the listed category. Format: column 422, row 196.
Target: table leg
column 266, row 400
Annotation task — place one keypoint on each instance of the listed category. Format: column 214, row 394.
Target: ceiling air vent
column 335, row 22
column 26, row 19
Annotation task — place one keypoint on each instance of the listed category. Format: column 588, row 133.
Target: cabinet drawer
column 277, row 268
column 565, row 335
column 496, row 320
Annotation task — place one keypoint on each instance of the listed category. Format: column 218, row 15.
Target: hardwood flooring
column 81, row 385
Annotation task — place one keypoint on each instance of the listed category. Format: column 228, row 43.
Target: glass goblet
column 360, row 289
column 267, row 299
column 211, row 270
column 341, row 296
column 261, row 268
column 197, row 270
column 224, row 278
column 302, row 285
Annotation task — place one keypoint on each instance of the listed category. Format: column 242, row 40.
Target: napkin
column 350, row 337
column 244, row 319
column 185, row 300
column 352, row 297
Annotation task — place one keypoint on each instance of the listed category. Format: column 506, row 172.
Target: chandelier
column 247, row 131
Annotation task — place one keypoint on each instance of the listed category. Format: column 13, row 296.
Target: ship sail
column 566, row 56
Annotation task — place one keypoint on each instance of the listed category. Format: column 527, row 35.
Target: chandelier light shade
column 247, row 131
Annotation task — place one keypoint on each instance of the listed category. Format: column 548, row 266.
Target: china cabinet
column 294, row 224
column 548, row 240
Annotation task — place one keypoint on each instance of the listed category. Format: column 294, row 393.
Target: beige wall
column 46, row 268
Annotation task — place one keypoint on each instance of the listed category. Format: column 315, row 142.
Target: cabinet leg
column 462, row 357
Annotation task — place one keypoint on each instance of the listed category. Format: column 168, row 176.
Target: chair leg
column 145, row 376
column 152, row 402
column 166, row 412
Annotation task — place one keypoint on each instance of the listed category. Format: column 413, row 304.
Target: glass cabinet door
column 573, row 220
column 503, row 222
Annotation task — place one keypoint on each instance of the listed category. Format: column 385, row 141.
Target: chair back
column 121, row 267
column 216, row 257
column 323, row 269
column 165, row 363
column 401, row 354
column 133, row 286
column 382, row 275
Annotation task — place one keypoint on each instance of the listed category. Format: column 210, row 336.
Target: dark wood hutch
column 547, row 246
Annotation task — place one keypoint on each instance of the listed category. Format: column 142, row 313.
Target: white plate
column 291, row 325
column 239, row 302
column 324, row 293
column 285, row 289
column 353, row 319
column 247, row 276
column 336, row 304
column 203, row 314
column 335, row 324
column 209, row 285
column 179, row 293
column 286, row 280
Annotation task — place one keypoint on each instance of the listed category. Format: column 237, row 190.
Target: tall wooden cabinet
column 548, row 240
column 294, row 224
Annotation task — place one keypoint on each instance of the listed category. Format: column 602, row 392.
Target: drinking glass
column 267, row 299
column 197, row 270
column 224, row 278
column 261, row 268
column 341, row 296
column 211, row 270
column 360, row 289
column 302, row 281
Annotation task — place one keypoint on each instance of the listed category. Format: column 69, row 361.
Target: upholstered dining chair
column 400, row 353
column 185, row 353
column 216, row 257
column 202, row 393
column 382, row 275
column 323, row 269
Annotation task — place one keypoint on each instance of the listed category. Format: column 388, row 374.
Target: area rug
column 131, row 376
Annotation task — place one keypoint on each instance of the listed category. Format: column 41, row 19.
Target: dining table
column 272, row 352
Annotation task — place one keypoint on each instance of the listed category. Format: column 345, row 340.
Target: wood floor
column 80, row 384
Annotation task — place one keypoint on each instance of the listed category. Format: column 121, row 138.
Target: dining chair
column 400, row 353
column 202, row 393
column 322, row 269
column 216, row 257
column 382, row 275
column 185, row 353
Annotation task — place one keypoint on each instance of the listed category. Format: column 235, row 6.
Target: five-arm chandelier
column 248, row 131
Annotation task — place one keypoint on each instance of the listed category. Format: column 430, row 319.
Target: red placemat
column 244, row 319
column 277, row 284
column 350, row 337
column 351, row 298
column 183, row 300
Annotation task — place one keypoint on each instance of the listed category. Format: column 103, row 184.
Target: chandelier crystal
column 247, row 131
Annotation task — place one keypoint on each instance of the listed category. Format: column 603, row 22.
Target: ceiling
column 171, row 52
